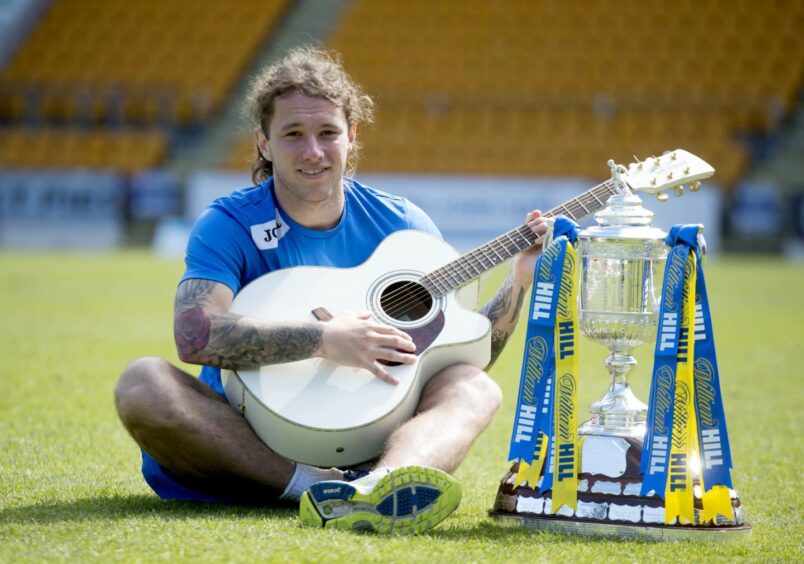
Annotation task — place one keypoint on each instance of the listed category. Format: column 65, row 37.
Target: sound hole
column 406, row 301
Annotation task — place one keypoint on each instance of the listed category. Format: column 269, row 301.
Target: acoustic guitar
column 325, row 414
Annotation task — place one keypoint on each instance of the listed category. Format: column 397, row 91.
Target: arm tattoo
column 191, row 326
column 194, row 292
column 500, row 303
column 503, row 319
column 191, row 331
column 240, row 342
column 227, row 340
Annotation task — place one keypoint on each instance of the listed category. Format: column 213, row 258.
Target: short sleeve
column 215, row 249
column 419, row 220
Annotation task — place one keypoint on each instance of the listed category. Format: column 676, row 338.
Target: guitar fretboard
column 485, row 257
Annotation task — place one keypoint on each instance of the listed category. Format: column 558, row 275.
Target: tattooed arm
column 503, row 312
column 504, row 308
column 206, row 333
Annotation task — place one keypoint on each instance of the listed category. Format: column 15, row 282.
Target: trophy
column 622, row 262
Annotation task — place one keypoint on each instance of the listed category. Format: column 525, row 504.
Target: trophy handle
column 702, row 246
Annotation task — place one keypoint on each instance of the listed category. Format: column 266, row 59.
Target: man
column 195, row 446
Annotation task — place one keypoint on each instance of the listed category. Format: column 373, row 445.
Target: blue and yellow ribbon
column 679, row 500
column 528, row 446
column 710, row 418
column 659, row 425
column 565, row 412
column 686, row 404
column 544, row 438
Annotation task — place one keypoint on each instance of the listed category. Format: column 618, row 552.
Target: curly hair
column 315, row 72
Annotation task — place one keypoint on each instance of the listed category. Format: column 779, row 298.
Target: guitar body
column 325, row 414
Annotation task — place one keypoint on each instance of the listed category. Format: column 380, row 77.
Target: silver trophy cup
column 621, row 278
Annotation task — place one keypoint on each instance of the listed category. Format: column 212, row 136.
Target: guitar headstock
column 671, row 170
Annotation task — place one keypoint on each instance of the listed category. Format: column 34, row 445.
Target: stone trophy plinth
column 622, row 265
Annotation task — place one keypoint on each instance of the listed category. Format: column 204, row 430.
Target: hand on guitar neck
column 525, row 262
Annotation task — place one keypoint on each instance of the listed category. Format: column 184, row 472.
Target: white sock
column 373, row 477
column 305, row 476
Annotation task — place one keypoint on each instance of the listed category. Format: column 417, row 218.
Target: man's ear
column 352, row 134
column 262, row 143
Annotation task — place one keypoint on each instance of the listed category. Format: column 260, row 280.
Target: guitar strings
column 574, row 208
column 402, row 295
column 402, row 301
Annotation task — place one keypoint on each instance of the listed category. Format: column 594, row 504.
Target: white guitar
column 318, row 412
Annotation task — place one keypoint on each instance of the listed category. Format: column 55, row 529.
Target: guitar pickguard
column 423, row 336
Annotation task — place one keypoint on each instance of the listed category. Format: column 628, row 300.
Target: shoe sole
column 409, row 500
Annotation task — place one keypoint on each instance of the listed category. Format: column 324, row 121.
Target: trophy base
column 609, row 501
column 560, row 525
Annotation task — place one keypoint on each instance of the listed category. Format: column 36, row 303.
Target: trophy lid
column 624, row 217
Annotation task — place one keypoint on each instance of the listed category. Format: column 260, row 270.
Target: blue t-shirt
column 244, row 235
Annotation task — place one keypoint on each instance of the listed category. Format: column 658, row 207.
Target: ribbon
column 526, row 440
column 659, row 425
column 710, row 418
column 565, row 412
column 686, row 404
column 679, row 498
column 550, row 346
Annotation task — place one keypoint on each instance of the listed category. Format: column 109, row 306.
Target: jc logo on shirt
column 266, row 235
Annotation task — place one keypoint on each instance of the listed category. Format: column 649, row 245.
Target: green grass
column 70, row 487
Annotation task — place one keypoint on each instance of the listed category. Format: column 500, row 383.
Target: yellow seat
column 157, row 45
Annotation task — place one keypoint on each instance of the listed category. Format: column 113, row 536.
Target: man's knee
column 487, row 391
column 142, row 385
column 469, row 385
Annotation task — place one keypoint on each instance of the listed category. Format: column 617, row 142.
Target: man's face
column 308, row 142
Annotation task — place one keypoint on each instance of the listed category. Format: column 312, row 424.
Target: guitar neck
column 485, row 257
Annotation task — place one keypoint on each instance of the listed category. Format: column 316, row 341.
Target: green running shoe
column 407, row 500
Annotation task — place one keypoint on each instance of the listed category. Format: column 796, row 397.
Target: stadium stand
column 107, row 66
column 124, row 150
column 520, row 87
column 546, row 87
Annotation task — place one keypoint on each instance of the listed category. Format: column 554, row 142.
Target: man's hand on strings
column 355, row 339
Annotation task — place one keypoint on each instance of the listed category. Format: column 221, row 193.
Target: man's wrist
column 523, row 281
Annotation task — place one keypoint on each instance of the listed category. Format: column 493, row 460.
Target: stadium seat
column 119, row 63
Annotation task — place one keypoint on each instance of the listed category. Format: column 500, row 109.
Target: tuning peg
column 669, row 176
column 657, row 162
column 679, row 190
column 695, row 186
column 653, row 181
column 662, row 197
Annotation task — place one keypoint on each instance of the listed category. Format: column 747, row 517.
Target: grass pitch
column 70, row 487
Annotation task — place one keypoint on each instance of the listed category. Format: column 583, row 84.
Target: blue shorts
column 169, row 487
